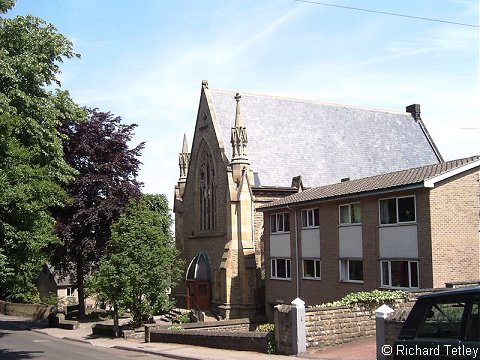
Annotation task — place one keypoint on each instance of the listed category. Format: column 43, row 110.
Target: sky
column 145, row 61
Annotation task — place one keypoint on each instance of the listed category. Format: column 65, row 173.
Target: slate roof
column 393, row 180
column 61, row 279
column 321, row 142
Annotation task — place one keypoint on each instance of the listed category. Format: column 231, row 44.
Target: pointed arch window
column 207, row 193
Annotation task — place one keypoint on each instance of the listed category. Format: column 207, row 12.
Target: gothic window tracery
column 207, row 192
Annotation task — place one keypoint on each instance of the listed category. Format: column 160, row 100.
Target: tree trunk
column 80, row 288
column 115, row 320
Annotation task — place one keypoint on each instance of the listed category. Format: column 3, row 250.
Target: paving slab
column 363, row 349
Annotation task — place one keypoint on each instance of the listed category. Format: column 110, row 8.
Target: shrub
column 271, row 347
column 183, row 318
column 373, row 297
column 175, row 327
column 51, row 299
column 265, row 328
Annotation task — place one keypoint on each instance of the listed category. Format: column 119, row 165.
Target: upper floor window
column 309, row 218
column 397, row 210
column 207, row 193
column 279, row 223
column 350, row 213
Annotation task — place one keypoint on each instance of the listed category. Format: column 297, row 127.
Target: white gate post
column 380, row 315
column 299, row 338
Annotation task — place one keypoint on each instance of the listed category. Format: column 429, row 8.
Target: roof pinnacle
column 238, row 117
column 185, row 145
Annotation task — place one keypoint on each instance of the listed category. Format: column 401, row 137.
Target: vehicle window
column 443, row 319
column 473, row 326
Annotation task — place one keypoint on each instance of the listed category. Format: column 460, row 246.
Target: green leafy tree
column 33, row 171
column 141, row 262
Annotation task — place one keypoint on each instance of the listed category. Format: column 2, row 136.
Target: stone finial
column 238, row 116
column 185, row 145
column 205, row 84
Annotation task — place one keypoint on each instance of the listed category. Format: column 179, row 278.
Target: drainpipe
column 297, row 284
column 252, row 215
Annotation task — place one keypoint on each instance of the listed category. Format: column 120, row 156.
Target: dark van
column 442, row 325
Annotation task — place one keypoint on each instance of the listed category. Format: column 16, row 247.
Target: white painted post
column 380, row 315
column 299, row 338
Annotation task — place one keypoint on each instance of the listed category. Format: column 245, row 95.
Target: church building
column 251, row 149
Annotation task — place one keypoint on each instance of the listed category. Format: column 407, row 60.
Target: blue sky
column 144, row 61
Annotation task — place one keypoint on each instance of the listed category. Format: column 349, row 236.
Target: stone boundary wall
column 244, row 341
column 337, row 325
column 34, row 311
column 223, row 325
column 237, row 334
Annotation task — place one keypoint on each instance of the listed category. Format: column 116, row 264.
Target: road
column 16, row 342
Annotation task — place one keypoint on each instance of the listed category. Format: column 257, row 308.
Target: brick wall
column 455, row 229
column 448, row 246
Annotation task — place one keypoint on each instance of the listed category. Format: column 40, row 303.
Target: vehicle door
column 470, row 344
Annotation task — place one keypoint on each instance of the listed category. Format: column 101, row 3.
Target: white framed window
column 279, row 223
column 280, row 268
column 397, row 210
column 351, row 270
column 350, row 214
column 70, row 291
column 311, row 268
column 399, row 273
column 309, row 218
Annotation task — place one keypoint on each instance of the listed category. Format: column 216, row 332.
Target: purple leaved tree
column 107, row 170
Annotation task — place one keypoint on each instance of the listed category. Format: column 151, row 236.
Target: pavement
column 363, row 349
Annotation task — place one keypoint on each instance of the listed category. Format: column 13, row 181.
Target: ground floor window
column 311, row 269
column 351, row 270
column 280, row 268
column 70, row 291
column 399, row 273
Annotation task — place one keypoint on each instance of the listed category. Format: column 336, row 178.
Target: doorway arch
column 198, row 282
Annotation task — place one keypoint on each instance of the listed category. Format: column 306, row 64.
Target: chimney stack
column 414, row 109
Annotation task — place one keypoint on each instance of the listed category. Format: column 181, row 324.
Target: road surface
column 16, row 342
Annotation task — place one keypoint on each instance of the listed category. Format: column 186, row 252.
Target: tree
column 33, row 171
column 141, row 262
column 107, row 169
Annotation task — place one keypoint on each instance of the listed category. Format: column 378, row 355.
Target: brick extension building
column 242, row 160
column 416, row 228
